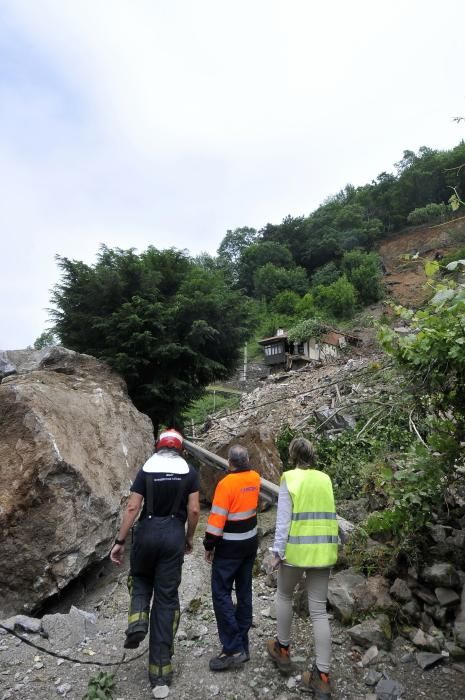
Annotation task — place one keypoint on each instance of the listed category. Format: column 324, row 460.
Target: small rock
column 427, row 660
column 441, row 574
column 372, row 632
column 369, row 655
column 400, row 591
column 446, row 596
column 424, row 641
column 455, row 651
column 407, row 658
column 389, row 689
column 160, row 691
column 214, row 690
column 372, row 677
column 64, row 689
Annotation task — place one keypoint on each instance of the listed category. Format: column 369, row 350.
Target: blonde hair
column 302, row 453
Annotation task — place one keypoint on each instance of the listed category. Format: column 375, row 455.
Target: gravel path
column 27, row 674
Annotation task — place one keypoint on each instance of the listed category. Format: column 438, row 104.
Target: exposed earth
column 27, row 674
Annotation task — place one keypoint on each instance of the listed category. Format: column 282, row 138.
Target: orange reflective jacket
column 232, row 523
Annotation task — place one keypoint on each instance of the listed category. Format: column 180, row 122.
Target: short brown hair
column 302, row 452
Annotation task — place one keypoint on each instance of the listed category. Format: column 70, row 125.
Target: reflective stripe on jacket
column 233, row 515
column 313, row 534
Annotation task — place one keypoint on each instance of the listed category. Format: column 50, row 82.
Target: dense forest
column 171, row 323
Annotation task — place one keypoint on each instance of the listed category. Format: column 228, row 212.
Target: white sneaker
column 160, row 691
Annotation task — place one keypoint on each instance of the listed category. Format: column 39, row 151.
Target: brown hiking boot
column 280, row 656
column 316, row 682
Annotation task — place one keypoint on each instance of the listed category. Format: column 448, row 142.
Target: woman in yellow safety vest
column 306, row 541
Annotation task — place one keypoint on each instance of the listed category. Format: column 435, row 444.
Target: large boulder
column 70, row 444
column 263, row 453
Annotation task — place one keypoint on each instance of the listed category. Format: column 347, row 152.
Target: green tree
column 258, row 255
column 363, row 270
column 45, row 340
column 169, row 326
column 286, row 302
column 232, row 248
column 338, row 299
column 270, row 280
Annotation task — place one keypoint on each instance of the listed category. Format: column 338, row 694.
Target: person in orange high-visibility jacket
column 231, row 546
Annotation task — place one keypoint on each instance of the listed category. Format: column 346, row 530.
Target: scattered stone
column 340, row 593
column 369, row 656
column 373, row 594
column 270, row 612
column 438, row 613
column 425, row 595
column 370, row 632
column 389, row 689
column 400, row 591
column 407, row 658
column 160, row 691
column 426, row 660
column 197, row 632
column 64, row 689
column 454, row 650
column 372, row 677
column 214, row 690
column 441, row 574
column 71, row 629
column 23, row 622
column 446, row 596
column 411, row 610
column 424, row 641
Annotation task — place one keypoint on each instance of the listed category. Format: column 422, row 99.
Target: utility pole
column 244, row 372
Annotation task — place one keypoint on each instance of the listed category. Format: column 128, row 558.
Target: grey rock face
column 427, row 660
column 340, row 593
column 6, row 367
column 446, row 596
column 373, row 632
column 69, row 630
column 424, row 641
column 400, row 591
column 442, row 574
column 389, row 689
column 70, row 444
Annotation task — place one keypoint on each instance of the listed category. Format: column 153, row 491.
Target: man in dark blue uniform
column 167, row 490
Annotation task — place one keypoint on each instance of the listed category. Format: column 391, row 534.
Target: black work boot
column 135, row 634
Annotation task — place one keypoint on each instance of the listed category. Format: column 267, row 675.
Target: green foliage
column 231, row 249
column 326, row 274
column 451, row 257
column 208, row 405
column 101, row 687
column 338, row 299
column 433, row 354
column 310, row 328
column 269, row 281
column 168, row 325
column 257, row 256
column 286, row 302
column 363, row 270
column 430, row 213
column 45, row 340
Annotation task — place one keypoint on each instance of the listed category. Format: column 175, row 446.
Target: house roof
column 274, row 338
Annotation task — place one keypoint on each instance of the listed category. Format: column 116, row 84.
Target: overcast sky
column 167, row 122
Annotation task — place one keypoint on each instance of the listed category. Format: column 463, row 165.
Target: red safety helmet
column 170, row 439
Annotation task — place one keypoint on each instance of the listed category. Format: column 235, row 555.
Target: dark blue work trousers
column 233, row 622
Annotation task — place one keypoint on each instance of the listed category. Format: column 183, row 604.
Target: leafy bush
column 269, row 281
column 431, row 212
column 285, row 302
column 364, row 271
column 101, row 687
column 310, row 328
column 326, row 274
column 338, row 299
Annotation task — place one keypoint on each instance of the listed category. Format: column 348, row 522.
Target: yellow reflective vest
column 313, row 534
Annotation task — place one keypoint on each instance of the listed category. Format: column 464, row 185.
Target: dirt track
column 196, row 643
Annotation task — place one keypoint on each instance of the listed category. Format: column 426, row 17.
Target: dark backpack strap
column 179, row 496
column 149, row 494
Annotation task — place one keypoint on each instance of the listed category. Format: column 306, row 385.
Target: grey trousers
column 316, row 584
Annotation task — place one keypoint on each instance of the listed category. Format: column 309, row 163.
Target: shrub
column 338, row 299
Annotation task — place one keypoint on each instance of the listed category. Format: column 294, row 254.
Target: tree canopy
column 167, row 324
